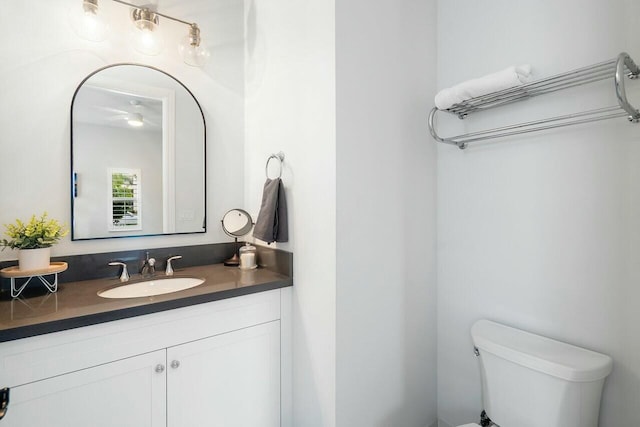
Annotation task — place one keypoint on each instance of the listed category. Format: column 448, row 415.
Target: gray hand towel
column 271, row 225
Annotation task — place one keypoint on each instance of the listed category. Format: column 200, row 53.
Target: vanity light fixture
column 146, row 37
column 88, row 23
column 192, row 49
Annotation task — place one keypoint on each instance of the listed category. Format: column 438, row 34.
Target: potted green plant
column 33, row 241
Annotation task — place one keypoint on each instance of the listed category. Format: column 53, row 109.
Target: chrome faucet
column 148, row 268
column 124, row 277
column 169, row 270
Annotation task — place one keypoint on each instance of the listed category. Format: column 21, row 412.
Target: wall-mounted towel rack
column 615, row 69
column 278, row 156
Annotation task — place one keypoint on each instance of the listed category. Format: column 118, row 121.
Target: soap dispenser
column 248, row 257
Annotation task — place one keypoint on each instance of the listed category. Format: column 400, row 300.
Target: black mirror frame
column 72, row 178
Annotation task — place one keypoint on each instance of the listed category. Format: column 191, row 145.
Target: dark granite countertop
column 77, row 304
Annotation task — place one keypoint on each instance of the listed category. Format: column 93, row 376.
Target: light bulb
column 87, row 22
column 147, row 42
column 145, row 39
column 192, row 50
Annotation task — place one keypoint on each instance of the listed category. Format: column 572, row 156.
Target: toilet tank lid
column 539, row 353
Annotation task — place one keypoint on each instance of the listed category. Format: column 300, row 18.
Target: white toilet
column 533, row 381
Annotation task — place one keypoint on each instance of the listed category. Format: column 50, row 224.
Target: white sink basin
column 151, row 287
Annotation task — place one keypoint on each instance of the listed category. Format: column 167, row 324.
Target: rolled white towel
column 505, row 79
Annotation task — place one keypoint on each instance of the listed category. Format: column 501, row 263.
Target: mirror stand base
column 234, row 261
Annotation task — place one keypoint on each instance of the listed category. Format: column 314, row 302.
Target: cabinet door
column 229, row 380
column 125, row 393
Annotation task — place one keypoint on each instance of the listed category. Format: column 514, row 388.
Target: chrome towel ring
column 280, row 157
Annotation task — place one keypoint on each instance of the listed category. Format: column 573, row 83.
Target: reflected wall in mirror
column 137, row 155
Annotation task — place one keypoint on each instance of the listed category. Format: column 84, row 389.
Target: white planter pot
column 34, row 259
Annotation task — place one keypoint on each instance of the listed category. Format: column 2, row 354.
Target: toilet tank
column 532, row 381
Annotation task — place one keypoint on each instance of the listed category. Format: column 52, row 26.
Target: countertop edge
column 43, row 328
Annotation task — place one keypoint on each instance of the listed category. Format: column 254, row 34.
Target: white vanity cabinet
column 213, row 364
column 230, row 380
column 123, row 393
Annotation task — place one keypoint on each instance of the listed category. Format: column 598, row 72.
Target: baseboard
column 439, row 423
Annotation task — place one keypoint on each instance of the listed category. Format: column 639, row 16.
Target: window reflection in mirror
column 125, row 204
column 128, row 122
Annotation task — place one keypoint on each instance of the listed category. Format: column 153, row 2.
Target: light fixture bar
column 90, row 5
column 155, row 12
column 147, row 40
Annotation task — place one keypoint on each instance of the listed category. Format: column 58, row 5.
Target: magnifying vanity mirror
column 137, row 155
column 236, row 223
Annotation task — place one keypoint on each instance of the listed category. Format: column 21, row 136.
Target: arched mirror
column 137, row 155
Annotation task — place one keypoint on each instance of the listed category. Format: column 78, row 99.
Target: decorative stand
column 14, row 273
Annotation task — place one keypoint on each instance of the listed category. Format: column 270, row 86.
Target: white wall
column 364, row 335
column 386, row 182
column 40, row 73
column 290, row 106
column 541, row 231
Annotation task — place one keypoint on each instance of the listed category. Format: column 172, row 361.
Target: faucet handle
column 124, row 277
column 150, row 261
column 169, row 270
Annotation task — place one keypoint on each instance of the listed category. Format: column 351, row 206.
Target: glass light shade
column 147, row 41
column 87, row 22
column 146, row 38
column 196, row 56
